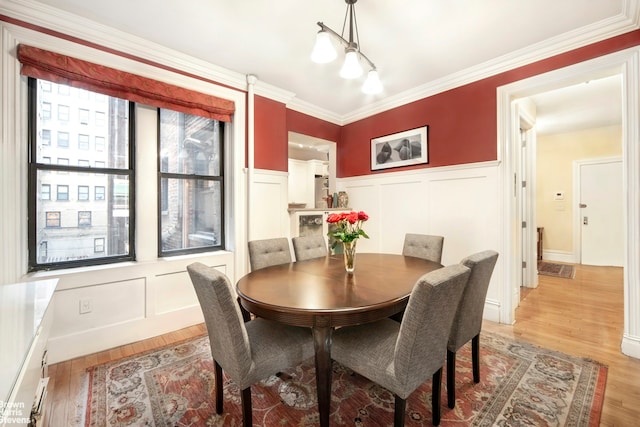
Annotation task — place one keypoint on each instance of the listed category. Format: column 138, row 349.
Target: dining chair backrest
column 267, row 252
column 228, row 336
column 468, row 320
column 423, row 246
column 248, row 352
column 309, row 247
column 422, row 340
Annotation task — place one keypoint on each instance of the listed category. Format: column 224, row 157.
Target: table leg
column 322, row 343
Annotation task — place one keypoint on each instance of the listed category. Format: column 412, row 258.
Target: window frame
column 192, row 177
column 35, row 166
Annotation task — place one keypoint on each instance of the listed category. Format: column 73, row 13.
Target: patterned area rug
column 521, row 385
column 556, row 270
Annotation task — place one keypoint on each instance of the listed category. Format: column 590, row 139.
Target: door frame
column 577, row 214
column 626, row 63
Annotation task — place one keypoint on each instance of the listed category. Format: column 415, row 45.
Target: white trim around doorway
column 626, row 63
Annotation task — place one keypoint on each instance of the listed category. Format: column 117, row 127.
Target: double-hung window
column 191, row 187
column 70, row 223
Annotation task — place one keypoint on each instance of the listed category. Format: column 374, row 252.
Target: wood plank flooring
column 581, row 316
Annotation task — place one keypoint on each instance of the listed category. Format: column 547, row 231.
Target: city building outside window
column 53, row 219
column 98, row 245
column 83, row 116
column 45, row 192
column 80, row 231
column 46, row 137
column 63, row 139
column 63, row 113
column 99, row 192
column 99, row 143
column 83, row 142
column 83, row 193
column 84, row 218
column 191, row 208
column 45, row 110
column 62, row 192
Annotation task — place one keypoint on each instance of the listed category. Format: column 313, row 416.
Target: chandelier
column 324, row 51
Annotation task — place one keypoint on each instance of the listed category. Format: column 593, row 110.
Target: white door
column 601, row 213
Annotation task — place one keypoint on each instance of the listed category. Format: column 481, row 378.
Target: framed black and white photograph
column 400, row 149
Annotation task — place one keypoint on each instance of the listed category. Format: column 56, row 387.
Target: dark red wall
column 308, row 125
column 271, row 148
column 462, row 121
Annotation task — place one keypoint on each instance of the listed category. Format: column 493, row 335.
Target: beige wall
column 555, row 156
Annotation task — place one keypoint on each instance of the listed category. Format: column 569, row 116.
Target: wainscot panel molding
column 126, row 303
column 458, row 202
column 269, row 217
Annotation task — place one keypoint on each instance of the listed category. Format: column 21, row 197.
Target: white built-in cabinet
column 302, row 182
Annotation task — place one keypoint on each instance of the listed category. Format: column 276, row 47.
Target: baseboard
column 491, row 310
column 631, row 346
column 560, row 256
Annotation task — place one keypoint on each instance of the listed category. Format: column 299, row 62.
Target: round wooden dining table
column 320, row 294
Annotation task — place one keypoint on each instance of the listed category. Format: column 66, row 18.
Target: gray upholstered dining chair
column 423, row 246
column 467, row 323
column 309, row 247
column 248, row 352
column 267, row 252
column 402, row 356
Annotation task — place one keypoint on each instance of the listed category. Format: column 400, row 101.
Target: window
column 99, row 192
column 53, row 219
column 84, row 219
column 45, row 192
column 191, row 184
column 104, row 231
column 98, row 245
column 83, row 193
column 63, row 90
column 63, row 139
column 45, row 110
column 63, row 113
column 46, row 137
column 43, row 251
column 45, row 86
column 99, row 143
column 83, row 142
column 63, row 192
column 100, row 118
column 83, row 116
column 46, row 160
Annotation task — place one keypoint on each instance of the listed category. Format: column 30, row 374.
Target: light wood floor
column 581, row 316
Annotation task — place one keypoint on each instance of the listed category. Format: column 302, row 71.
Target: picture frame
column 400, row 149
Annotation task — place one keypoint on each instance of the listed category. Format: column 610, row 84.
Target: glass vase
column 349, row 251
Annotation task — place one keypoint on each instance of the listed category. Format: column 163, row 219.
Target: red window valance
column 57, row 68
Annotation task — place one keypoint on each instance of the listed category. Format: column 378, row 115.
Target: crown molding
column 45, row 16
column 628, row 20
column 315, row 111
column 50, row 18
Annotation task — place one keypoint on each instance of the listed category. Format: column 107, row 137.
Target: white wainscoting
column 128, row 303
column 458, row 202
column 269, row 217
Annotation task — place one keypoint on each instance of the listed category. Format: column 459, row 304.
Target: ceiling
column 415, row 44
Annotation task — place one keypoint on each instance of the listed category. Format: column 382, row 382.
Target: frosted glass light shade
column 372, row 85
column 351, row 68
column 323, row 51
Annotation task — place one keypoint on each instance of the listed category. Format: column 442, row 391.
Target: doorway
column 627, row 64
